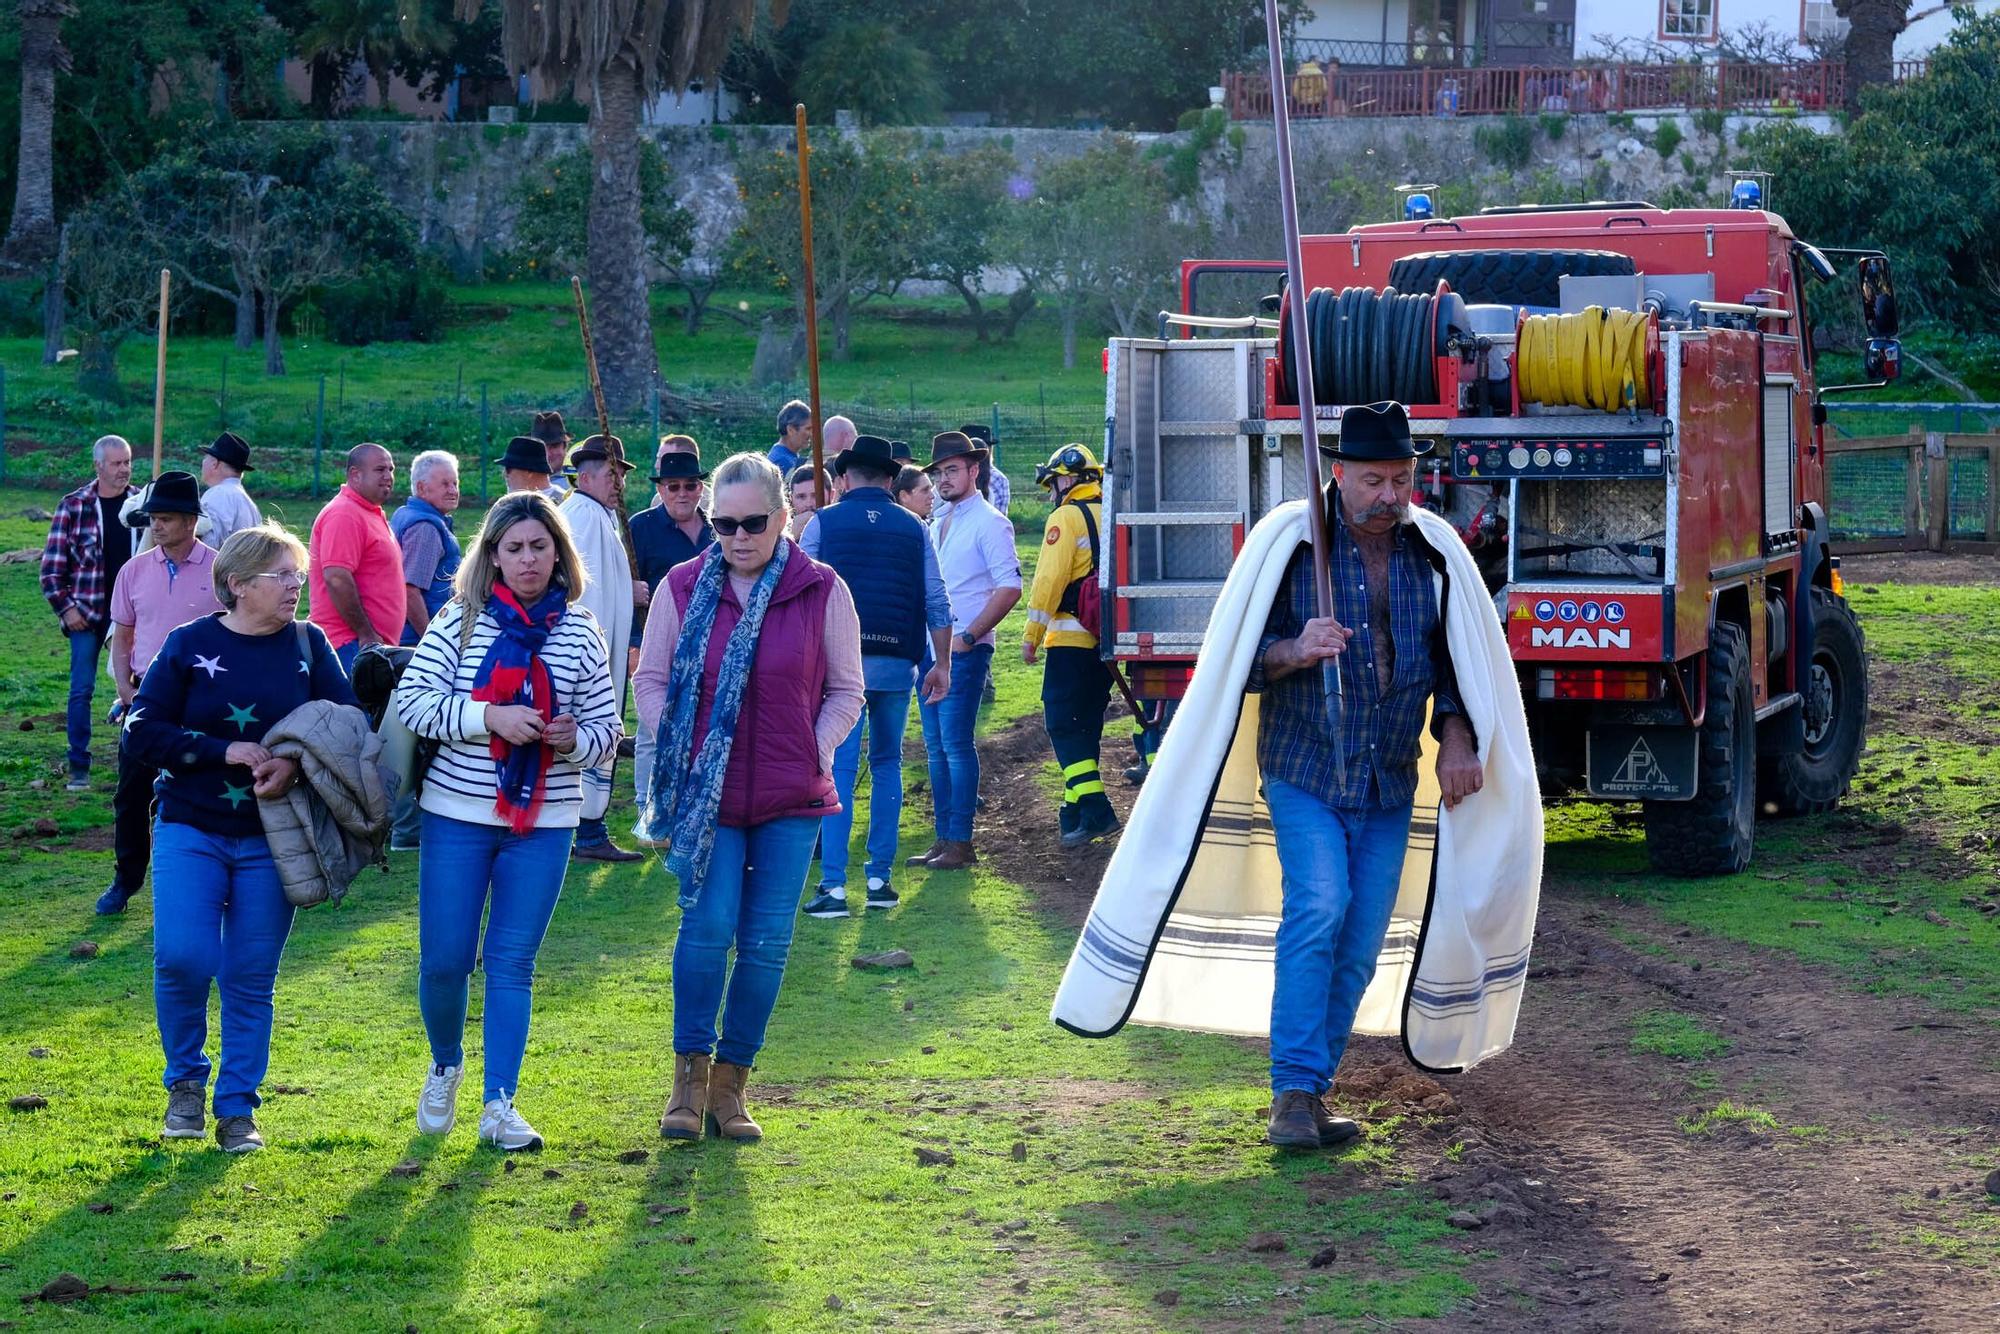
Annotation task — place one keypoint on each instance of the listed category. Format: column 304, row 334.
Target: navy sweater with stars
column 209, row 687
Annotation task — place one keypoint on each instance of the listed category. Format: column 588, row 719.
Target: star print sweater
column 210, row 687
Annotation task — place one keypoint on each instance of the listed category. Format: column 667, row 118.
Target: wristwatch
column 970, row 643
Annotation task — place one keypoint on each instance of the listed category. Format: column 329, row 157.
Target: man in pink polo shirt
column 356, row 580
column 156, row 592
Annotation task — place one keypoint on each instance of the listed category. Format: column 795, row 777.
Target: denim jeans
column 1341, row 870
column 883, row 719
column 458, row 863
column 219, row 916
column 949, row 728
column 347, row 654
column 84, row 647
column 750, row 900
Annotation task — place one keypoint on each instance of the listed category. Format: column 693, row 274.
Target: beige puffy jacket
column 334, row 821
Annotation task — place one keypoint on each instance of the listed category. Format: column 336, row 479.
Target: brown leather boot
column 688, row 1103
column 1293, row 1125
column 1332, row 1129
column 728, row 1118
column 924, row 858
column 955, row 857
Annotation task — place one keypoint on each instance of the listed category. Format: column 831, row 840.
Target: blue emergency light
column 1416, row 208
column 1746, row 194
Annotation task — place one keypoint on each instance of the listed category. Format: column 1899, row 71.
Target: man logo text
column 1578, row 637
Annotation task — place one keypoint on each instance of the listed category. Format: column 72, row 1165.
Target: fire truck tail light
column 1597, row 683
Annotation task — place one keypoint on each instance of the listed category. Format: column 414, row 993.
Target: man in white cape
column 592, row 512
column 1270, row 889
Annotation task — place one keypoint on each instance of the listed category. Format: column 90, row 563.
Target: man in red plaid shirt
column 87, row 547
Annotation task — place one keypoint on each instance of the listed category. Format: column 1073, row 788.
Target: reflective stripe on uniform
column 1080, row 780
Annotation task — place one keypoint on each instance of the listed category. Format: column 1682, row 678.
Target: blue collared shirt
column 1380, row 728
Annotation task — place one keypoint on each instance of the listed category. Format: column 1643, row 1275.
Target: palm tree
column 1872, row 29
column 31, row 234
column 375, row 32
column 616, row 55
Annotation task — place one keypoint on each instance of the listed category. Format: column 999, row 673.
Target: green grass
column 1676, row 1036
column 1728, row 1113
column 1141, row 1167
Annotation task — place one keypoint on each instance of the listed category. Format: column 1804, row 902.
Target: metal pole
column 160, row 375
column 812, row 297
column 1288, row 208
column 485, row 448
column 319, row 434
column 222, row 402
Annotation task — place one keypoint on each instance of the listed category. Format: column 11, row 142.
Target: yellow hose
column 1595, row 358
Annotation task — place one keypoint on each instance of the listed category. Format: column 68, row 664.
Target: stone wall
column 459, row 183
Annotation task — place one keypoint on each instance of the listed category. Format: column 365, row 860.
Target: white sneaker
column 500, row 1124
column 437, row 1110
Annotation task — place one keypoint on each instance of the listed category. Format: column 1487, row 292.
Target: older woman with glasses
column 751, row 676
column 220, row 915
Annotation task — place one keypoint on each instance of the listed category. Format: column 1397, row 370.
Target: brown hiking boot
column 688, row 1103
column 728, row 1118
column 1293, row 1125
column 1332, row 1129
column 606, row 851
column 924, row 858
column 955, row 857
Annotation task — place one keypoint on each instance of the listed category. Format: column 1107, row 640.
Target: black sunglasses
column 754, row 525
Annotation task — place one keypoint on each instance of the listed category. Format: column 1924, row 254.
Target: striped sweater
column 435, row 700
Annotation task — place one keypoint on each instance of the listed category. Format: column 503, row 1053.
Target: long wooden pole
column 160, row 377
column 617, row 451
column 812, row 298
column 1301, row 347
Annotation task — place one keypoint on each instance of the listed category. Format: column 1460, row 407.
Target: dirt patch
column 1921, row 567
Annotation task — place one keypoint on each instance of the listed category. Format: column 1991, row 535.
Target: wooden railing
column 1925, row 491
column 1799, row 87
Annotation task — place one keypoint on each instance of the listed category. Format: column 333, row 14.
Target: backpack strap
column 1090, row 527
column 305, row 644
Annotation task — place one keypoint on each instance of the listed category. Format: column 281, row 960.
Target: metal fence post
column 319, row 434
column 3, row 424
column 654, row 440
column 485, row 448
column 222, row 400
column 995, row 424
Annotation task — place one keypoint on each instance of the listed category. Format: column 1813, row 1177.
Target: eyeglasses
column 754, row 525
column 285, row 578
column 675, row 488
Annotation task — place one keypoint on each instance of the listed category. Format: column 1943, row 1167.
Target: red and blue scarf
column 514, row 673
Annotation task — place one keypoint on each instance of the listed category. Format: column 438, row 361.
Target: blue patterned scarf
column 687, row 787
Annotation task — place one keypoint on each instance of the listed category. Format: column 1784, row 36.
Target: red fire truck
column 1628, row 433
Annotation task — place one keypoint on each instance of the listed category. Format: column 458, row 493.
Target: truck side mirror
column 1878, row 298
column 1883, row 359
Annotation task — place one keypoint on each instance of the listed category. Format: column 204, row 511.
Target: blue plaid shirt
column 1380, row 729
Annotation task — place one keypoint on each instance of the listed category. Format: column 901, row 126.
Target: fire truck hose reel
column 1594, row 358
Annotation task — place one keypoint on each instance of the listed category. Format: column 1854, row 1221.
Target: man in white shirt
column 982, row 575
column 226, row 504
column 611, row 596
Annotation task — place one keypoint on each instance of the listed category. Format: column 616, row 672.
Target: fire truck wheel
column 1836, row 717
column 1712, row 834
column 1506, row 277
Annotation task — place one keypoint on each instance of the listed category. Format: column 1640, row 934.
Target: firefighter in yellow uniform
column 1076, row 685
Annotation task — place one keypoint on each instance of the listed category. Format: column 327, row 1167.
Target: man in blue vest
column 431, row 555
column 881, row 551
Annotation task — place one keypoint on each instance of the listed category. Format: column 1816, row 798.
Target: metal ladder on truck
column 1181, row 491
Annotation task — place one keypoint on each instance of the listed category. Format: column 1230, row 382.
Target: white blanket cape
column 1183, row 929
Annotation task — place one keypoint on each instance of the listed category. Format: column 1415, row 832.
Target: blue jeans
column 1341, row 870
column 751, row 900
column 84, row 646
column 346, row 655
column 949, row 728
column 883, row 720
column 458, row 862
column 219, row 916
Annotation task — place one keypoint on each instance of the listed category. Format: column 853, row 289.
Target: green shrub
column 1667, row 137
column 401, row 303
column 1712, row 123
column 1553, row 125
column 875, row 71
column 1619, row 120
column 1510, row 144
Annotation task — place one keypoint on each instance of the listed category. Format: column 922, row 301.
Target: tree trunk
column 274, row 350
column 246, row 319
column 699, row 291
column 97, row 368
column 620, row 321
column 325, row 95
column 840, row 315
column 1020, row 304
column 970, row 295
column 1069, row 335
column 31, row 234
column 1873, row 26
column 54, row 301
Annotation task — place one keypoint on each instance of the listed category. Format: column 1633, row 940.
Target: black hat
column 868, row 449
column 230, row 448
column 1375, row 433
column 549, row 429
column 525, row 453
column 171, row 493
column 900, row 450
column 678, row 466
column 953, row 445
column 983, row 434
column 596, row 447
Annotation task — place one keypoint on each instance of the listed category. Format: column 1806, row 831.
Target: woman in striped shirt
column 520, row 704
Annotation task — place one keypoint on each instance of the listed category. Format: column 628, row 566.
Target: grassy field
column 1085, row 1177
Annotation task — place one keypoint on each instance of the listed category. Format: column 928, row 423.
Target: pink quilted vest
column 774, row 767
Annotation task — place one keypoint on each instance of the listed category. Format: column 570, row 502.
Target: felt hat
column 900, row 451
column 596, row 447
column 525, row 453
column 677, row 466
column 868, row 449
column 948, row 445
column 232, row 449
column 171, row 493
column 975, row 431
column 549, row 429
column 1375, row 433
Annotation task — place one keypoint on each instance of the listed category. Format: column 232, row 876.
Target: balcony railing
column 1797, row 87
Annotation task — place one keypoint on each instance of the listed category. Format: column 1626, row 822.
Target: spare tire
column 1506, row 277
